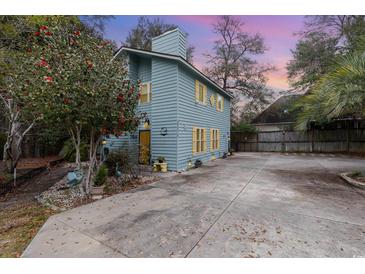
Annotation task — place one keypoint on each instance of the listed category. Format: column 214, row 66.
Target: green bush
column 356, row 174
column 2, row 143
column 161, row 159
column 68, row 151
column 101, row 176
column 243, row 127
column 120, row 158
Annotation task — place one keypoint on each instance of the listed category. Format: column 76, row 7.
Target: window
column 214, row 139
column 200, row 92
column 199, row 140
column 220, row 103
column 145, row 90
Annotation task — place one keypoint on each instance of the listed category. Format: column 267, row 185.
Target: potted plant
column 98, row 185
column 198, row 163
column 190, row 164
column 160, row 164
column 161, row 159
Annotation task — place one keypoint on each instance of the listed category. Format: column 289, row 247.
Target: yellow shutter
column 145, row 90
column 205, row 94
column 215, row 139
column 219, row 138
column 204, row 139
column 220, row 107
column 217, row 98
column 194, row 139
column 211, row 139
column 196, row 90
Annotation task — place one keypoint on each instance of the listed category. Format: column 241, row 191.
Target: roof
column 176, row 58
column 168, row 32
column 279, row 111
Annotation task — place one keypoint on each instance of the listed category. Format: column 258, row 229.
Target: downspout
column 177, row 118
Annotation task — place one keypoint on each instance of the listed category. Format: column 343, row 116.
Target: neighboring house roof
column 279, row 111
column 177, row 58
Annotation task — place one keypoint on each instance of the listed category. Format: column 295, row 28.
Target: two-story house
column 188, row 113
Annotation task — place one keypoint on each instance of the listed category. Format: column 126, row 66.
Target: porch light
column 104, row 142
column 146, row 123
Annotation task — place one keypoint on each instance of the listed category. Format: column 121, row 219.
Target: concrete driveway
column 250, row 205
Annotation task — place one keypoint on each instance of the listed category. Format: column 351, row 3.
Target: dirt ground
column 21, row 216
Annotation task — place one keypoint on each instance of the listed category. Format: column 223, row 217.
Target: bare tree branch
column 233, row 65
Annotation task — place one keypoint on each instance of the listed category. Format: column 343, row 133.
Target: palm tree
column 339, row 93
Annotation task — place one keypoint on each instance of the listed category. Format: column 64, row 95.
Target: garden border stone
column 352, row 181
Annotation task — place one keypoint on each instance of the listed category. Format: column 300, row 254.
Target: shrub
column 198, row 163
column 120, row 158
column 2, row 143
column 161, row 159
column 243, row 127
column 101, row 175
column 356, row 174
column 68, row 151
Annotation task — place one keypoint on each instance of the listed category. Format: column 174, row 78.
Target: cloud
column 276, row 30
column 277, row 81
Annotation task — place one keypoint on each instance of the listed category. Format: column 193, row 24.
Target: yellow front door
column 144, row 146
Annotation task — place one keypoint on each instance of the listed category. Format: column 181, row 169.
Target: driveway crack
column 92, row 237
column 227, row 207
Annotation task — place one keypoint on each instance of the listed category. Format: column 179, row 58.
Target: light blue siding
column 173, row 42
column 139, row 69
column 164, row 111
column 144, row 75
column 133, row 62
column 173, row 106
column 192, row 114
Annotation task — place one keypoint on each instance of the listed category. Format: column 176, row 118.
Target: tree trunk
column 9, row 147
column 15, row 136
column 13, row 146
column 76, row 140
column 8, row 163
column 94, row 144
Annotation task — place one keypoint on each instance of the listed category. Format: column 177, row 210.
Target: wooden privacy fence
column 317, row 140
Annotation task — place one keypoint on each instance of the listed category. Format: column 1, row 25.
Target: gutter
column 272, row 124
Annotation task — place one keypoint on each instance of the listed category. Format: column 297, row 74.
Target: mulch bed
column 115, row 186
column 359, row 178
column 62, row 197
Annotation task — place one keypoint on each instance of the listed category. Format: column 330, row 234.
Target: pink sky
column 278, row 33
